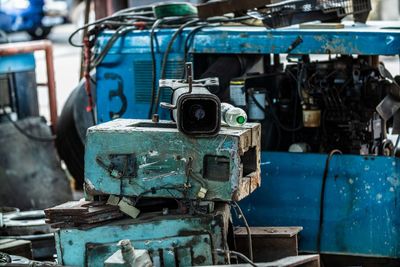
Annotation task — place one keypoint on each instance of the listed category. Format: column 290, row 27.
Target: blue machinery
column 361, row 199
column 138, row 158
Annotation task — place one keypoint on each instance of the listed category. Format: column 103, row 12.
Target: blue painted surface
column 361, row 202
column 13, row 19
column 129, row 60
column 374, row 38
column 132, row 73
column 17, row 63
column 190, row 238
column 161, row 157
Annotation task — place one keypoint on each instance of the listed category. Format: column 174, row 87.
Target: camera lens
column 197, row 112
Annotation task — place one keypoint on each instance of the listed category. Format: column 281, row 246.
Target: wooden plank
column 296, row 261
column 321, row 26
column 76, row 213
column 305, row 261
column 269, row 243
column 270, row 231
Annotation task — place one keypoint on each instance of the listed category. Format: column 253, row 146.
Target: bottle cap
column 240, row 120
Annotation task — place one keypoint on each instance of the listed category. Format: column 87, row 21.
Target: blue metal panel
column 127, row 67
column 127, row 78
column 361, row 212
column 361, row 203
column 172, row 236
column 17, row 63
column 375, row 38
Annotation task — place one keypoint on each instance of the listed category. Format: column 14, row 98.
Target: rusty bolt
column 155, row 118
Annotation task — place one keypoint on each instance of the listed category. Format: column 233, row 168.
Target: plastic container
column 232, row 115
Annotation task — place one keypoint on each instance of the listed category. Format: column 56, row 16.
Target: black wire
column 171, row 42
column 154, row 66
column 189, row 37
column 189, row 173
column 300, row 95
column 208, row 24
column 322, row 197
column 166, row 54
column 250, row 241
column 274, row 117
column 124, row 19
column 105, row 20
column 25, row 133
column 153, row 60
column 120, row 32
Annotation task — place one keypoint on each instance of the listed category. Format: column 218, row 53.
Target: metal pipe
column 29, row 237
column 30, row 47
column 85, row 30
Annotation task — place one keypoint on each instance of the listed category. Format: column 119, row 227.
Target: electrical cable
column 274, row 117
column 25, row 133
column 122, row 174
column 249, row 238
column 189, row 37
column 237, row 254
column 322, row 197
column 153, row 65
column 106, row 20
column 120, row 32
column 153, row 60
column 179, row 188
column 208, row 24
column 189, row 173
column 124, row 21
column 296, row 99
column 166, row 54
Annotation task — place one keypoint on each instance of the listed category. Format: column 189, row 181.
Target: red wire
column 86, row 73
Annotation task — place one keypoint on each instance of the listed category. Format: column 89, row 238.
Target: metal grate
column 289, row 12
column 143, row 79
column 346, row 7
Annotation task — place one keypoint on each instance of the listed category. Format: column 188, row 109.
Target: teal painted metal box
column 172, row 240
column 145, row 159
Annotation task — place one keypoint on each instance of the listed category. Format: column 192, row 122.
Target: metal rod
column 189, row 73
column 85, row 30
column 30, row 47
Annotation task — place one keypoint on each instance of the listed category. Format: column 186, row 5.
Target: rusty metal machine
column 328, row 162
column 174, row 187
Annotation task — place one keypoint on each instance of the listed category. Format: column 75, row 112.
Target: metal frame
column 47, row 47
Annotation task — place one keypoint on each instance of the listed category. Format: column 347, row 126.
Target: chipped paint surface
column 193, row 238
column 161, row 159
column 361, row 201
column 375, row 38
column 129, row 58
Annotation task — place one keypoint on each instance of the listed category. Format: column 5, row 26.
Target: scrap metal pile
column 174, row 181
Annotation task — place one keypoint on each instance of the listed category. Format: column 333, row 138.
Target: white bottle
column 233, row 116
